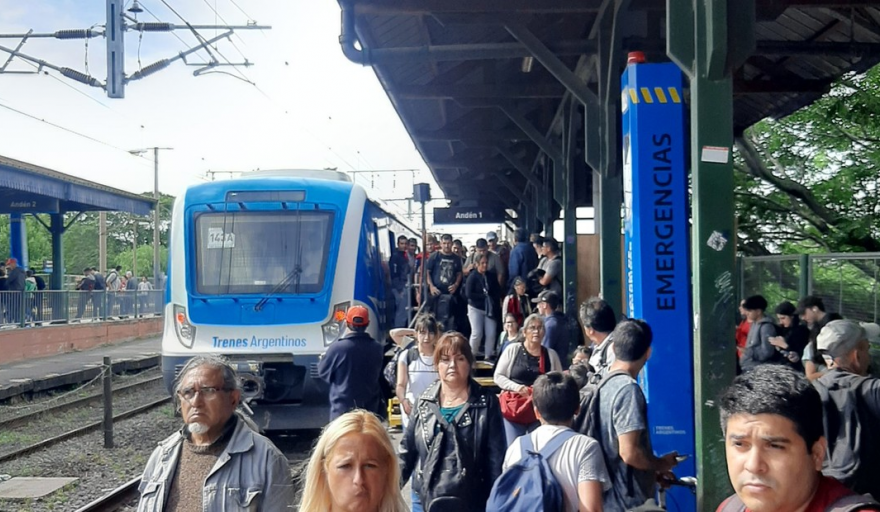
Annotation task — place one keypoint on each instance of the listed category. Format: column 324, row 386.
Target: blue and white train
column 262, row 270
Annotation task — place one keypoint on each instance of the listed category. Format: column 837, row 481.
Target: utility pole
column 119, row 21
column 138, row 152
column 102, row 241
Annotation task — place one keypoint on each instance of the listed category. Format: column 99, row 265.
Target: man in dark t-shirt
column 443, row 276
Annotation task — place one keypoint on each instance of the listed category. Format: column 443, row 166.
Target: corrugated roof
column 444, row 99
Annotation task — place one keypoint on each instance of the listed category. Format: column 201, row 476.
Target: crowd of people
column 793, row 442
column 474, row 291
column 122, row 291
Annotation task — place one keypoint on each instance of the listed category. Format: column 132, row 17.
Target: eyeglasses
column 535, row 328
column 207, row 392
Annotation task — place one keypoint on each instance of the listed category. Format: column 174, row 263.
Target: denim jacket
column 250, row 474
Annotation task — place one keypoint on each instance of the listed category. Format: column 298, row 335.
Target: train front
column 251, row 277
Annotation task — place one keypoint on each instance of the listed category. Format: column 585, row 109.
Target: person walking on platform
column 537, row 242
column 15, row 282
column 554, row 325
column 598, row 320
column 482, row 292
column 517, row 303
column 851, row 401
column 812, row 310
column 98, row 298
column 523, row 258
column 400, row 279
column 352, row 366
column 552, row 267
column 759, row 350
column 503, row 255
column 86, row 288
column 444, row 276
column 626, row 445
column 215, row 462
column 771, row 419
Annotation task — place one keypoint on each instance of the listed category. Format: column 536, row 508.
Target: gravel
column 54, row 424
column 99, row 470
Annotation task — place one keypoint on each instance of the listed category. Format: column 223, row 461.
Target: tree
column 809, row 182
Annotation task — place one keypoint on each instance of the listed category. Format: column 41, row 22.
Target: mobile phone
column 681, row 458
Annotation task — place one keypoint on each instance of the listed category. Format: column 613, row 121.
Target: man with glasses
column 215, row 462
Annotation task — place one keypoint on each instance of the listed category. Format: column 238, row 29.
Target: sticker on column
column 716, row 241
column 219, row 240
column 715, row 154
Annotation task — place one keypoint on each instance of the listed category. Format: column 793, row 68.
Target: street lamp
column 139, row 152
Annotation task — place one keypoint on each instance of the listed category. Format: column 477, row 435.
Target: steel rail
column 81, row 431
column 23, row 419
column 115, row 499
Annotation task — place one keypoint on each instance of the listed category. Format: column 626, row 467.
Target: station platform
column 38, row 374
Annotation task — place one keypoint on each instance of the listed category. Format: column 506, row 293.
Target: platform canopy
column 28, row 188
column 482, row 111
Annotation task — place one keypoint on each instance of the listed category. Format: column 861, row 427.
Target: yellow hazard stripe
column 658, row 95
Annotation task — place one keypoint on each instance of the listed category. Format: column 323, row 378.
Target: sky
column 301, row 104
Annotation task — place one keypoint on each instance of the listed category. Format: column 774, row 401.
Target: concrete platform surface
column 45, row 372
column 26, row 488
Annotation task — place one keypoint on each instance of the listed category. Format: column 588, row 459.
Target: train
column 262, row 270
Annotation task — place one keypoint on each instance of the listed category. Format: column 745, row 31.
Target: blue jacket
column 352, row 366
column 523, row 259
column 555, row 336
column 250, row 474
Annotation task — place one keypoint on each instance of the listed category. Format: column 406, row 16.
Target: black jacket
column 352, row 366
column 476, row 289
column 480, row 429
column 852, row 411
column 758, row 348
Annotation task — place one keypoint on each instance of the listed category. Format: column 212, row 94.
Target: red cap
column 357, row 316
column 636, row 58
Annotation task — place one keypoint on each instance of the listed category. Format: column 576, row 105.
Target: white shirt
column 579, row 459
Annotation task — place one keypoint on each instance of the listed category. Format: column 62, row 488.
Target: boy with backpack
column 553, row 468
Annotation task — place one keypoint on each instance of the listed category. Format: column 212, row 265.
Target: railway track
column 81, row 402
column 81, row 431
column 120, row 497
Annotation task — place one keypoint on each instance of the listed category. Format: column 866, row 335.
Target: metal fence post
column 108, row 403
column 804, row 281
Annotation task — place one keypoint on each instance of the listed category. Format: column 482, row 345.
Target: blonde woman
column 353, row 468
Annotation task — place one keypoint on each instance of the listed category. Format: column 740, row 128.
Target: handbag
column 516, row 408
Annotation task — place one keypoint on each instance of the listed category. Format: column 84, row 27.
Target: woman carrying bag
column 518, row 367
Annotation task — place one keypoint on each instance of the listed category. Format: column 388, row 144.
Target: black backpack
column 588, row 420
column 390, row 371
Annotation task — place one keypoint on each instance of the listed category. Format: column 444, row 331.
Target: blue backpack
column 529, row 484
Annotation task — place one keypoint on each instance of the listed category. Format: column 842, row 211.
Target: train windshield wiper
column 292, row 276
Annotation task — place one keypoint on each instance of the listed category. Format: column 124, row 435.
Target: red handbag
column 517, row 408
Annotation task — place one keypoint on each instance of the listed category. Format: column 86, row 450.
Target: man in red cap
column 352, row 366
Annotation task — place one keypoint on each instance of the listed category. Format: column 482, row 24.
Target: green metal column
column 708, row 39
column 607, row 199
column 569, row 243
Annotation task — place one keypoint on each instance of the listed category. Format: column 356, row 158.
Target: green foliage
column 814, row 180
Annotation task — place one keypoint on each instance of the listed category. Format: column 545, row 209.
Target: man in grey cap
column 851, row 402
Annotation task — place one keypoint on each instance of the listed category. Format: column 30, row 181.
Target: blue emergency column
column 657, row 254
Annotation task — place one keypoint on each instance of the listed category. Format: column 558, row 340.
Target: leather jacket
column 480, row 429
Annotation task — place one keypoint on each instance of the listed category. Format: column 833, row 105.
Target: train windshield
column 256, row 252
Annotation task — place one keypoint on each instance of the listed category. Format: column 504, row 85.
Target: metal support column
column 607, row 180
column 115, row 35
column 569, row 239
column 18, row 248
column 56, row 228
column 708, row 39
column 804, row 281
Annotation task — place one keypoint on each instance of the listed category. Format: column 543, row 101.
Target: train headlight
column 186, row 332
column 333, row 328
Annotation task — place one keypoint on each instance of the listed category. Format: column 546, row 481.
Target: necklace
column 460, row 397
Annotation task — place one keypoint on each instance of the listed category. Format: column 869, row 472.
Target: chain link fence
column 777, row 278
